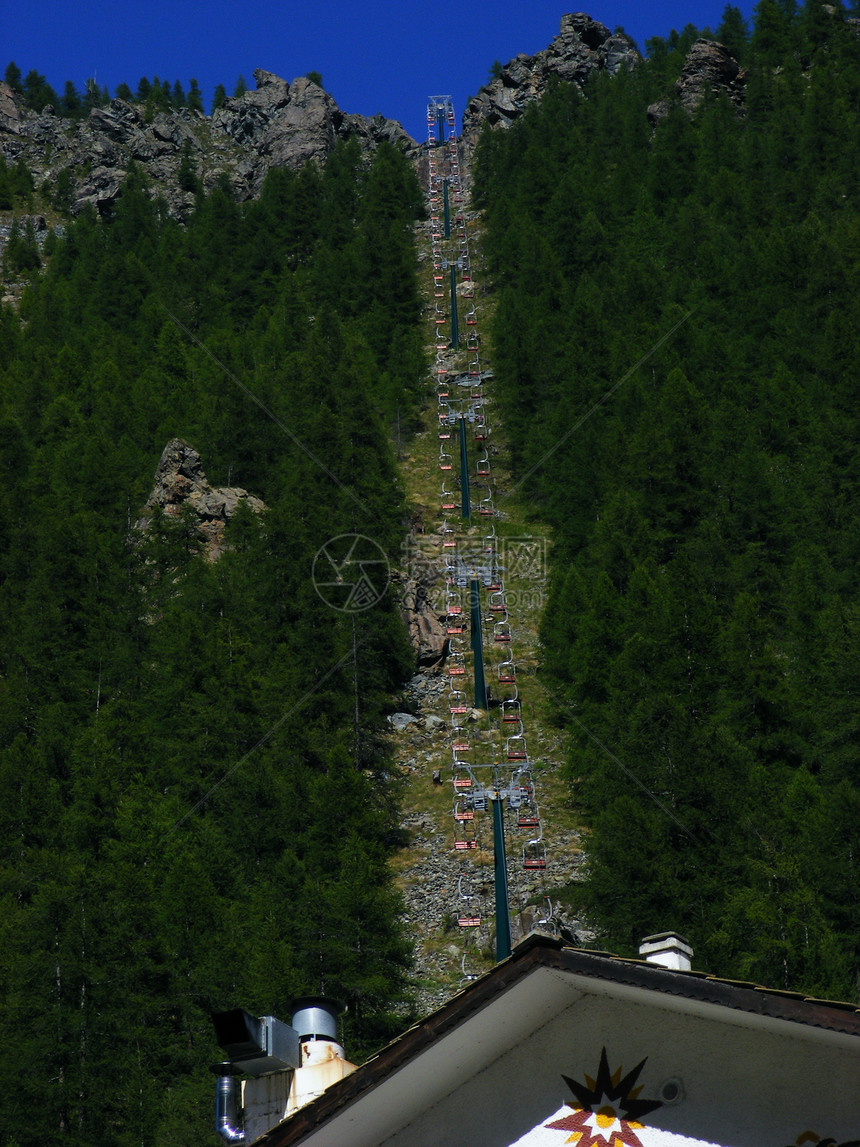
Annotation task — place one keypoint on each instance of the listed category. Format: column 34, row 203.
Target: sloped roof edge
column 541, row 950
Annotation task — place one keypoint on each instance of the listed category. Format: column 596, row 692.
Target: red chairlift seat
column 469, row 921
column 515, row 748
column 534, row 855
column 511, row 712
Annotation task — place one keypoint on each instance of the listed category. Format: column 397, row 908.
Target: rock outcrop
column 423, row 622
column 583, row 46
column 180, row 485
column 276, row 125
column 708, row 69
column 10, row 111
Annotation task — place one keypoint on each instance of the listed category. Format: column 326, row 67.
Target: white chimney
column 669, row 950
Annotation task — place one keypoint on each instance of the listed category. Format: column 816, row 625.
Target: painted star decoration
column 607, row 1110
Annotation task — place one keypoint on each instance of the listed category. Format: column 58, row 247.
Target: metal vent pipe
column 227, row 1090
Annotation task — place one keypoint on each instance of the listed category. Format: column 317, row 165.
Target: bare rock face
column 277, row 125
column 180, row 484
column 708, row 68
column 423, row 624
column 10, row 110
column 582, row 46
column 285, row 124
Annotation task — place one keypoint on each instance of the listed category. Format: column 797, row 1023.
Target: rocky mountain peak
column 278, row 124
column 582, row 46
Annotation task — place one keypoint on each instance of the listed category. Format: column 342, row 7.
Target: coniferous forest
column 195, row 804
column 678, row 361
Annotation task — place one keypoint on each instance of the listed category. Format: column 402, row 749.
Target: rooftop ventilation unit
column 256, row 1046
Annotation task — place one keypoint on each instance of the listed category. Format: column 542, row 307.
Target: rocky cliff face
column 277, row 125
column 708, row 68
column 582, row 47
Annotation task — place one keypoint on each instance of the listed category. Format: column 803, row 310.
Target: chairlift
column 515, row 747
column 467, row 977
column 453, row 603
column 528, row 816
column 511, row 712
column 546, row 919
column 486, row 508
column 483, row 466
column 534, row 855
column 456, row 665
column 507, row 670
column 446, row 461
column 502, row 632
column 496, row 602
column 465, row 836
column 471, row 317
column 457, row 702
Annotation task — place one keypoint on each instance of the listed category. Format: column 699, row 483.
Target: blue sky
column 384, row 56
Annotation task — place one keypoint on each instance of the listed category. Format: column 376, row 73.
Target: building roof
column 537, row 982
